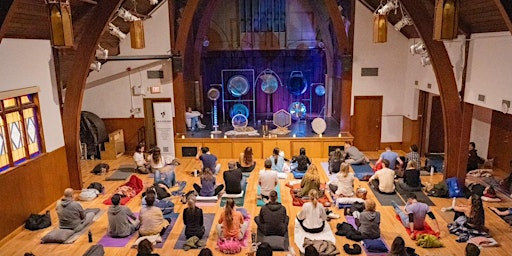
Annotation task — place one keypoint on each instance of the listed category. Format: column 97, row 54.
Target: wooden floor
column 22, row 240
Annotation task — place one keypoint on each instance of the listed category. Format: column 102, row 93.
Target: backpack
column 100, row 168
column 454, row 188
column 97, row 186
column 38, row 221
column 439, row 190
column 88, row 194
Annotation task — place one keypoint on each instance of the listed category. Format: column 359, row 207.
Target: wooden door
column 436, row 130
column 367, row 122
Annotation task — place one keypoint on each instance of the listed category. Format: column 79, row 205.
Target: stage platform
column 231, row 146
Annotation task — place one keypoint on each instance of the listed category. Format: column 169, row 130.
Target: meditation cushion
column 233, row 195
column 277, row 243
column 298, row 175
column 229, row 246
column 374, row 245
column 57, row 236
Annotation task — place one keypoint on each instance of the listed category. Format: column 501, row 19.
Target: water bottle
column 431, row 170
column 89, row 234
column 195, row 172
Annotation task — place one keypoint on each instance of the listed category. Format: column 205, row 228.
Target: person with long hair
column 312, row 217
column 411, row 181
column 140, row 161
column 161, row 168
column 344, row 184
column 277, row 160
column 369, row 221
column 398, row 247
column 193, row 219
column 335, row 160
column 474, row 212
column 301, row 162
column 205, row 252
column 246, row 162
column 208, row 186
column 231, row 222
column 145, row 248
column 310, row 181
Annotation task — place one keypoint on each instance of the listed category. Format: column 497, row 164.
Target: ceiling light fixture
column 405, row 21
column 95, row 65
column 153, row 2
column 126, row 15
column 101, row 53
column 115, row 31
column 418, row 48
column 60, row 23
column 446, row 19
column 425, row 60
column 380, row 28
column 388, row 7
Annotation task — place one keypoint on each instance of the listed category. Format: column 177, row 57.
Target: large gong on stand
column 269, row 84
column 297, row 86
column 238, row 91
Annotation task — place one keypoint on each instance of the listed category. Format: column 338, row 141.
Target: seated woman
column 193, row 219
column 161, row 168
column 301, row 162
column 335, row 160
column 369, row 221
column 152, row 220
column 272, row 220
column 344, row 185
column 208, row 187
column 277, row 160
column 246, row 163
column 473, row 212
column 312, row 217
column 231, row 222
column 140, row 161
column 411, row 181
column 145, row 248
column 310, row 181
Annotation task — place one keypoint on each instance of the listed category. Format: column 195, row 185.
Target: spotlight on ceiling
column 101, row 53
column 126, row 15
column 405, row 21
column 206, row 42
column 153, row 2
column 388, row 7
column 418, row 48
column 95, row 65
column 115, row 31
column 425, row 60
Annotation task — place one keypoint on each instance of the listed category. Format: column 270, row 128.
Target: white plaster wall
column 26, row 63
column 113, row 98
column 390, row 58
column 481, row 129
column 489, row 70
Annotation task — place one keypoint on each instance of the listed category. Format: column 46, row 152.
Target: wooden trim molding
column 18, row 92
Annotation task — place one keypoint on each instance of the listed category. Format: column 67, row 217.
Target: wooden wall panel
column 313, row 149
column 239, row 147
column 410, row 133
column 30, row 188
column 500, row 141
column 130, row 126
column 221, row 149
column 394, row 145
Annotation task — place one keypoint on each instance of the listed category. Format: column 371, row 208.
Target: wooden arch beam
column 94, row 21
column 202, row 31
column 456, row 115
column 503, row 11
column 6, row 13
column 178, row 81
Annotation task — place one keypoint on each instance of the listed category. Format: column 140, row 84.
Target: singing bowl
column 297, row 85
column 269, row 84
column 238, row 86
column 239, row 109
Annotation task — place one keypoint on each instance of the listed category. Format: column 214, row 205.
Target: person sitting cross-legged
column 231, row 222
column 392, row 158
column 246, row 162
column 312, row 217
column 413, row 215
column 71, row 214
column 310, row 181
column 193, row 219
column 273, row 220
column 267, row 180
column 233, row 179
column 301, row 162
column 208, row 159
column 343, row 186
column 383, row 180
column 411, row 181
column 208, row 186
column 120, row 218
column 152, row 220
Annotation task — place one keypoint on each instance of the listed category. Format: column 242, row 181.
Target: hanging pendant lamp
column 380, row 28
column 60, row 23
column 446, row 19
column 137, row 34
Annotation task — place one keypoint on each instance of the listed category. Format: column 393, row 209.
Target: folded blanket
column 299, row 201
column 323, row 247
column 135, row 186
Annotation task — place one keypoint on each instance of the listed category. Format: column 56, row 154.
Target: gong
column 297, row 110
column 213, row 94
column 238, row 85
column 239, row 109
column 318, row 125
column 269, row 83
column 297, row 85
column 320, row 90
column 239, row 121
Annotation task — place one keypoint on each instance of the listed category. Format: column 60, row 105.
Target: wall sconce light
column 446, row 19
column 115, row 31
column 60, row 23
column 405, row 21
column 380, row 28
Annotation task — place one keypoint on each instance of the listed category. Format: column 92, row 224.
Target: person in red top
column 231, row 222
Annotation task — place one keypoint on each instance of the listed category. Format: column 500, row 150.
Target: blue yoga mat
column 362, row 170
column 278, row 190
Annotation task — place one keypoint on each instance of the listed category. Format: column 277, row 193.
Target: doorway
column 367, row 122
column 436, row 126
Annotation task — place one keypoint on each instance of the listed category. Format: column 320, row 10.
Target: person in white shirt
column 344, row 185
column 193, row 119
column 161, row 168
column 140, row 161
column 384, row 179
column 312, row 217
column 267, row 180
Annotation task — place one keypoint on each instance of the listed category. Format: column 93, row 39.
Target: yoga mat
column 239, row 201
column 76, row 235
column 325, row 166
column 278, row 190
column 300, row 234
column 506, row 218
column 207, row 223
column 120, row 174
column 420, row 196
column 108, row 241
column 426, row 229
column 174, row 218
column 206, row 203
column 361, row 170
column 260, row 238
column 386, row 199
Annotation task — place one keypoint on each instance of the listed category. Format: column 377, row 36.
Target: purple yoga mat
column 207, row 223
column 108, row 241
column 174, row 218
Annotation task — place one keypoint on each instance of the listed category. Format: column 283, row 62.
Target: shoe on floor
column 333, row 215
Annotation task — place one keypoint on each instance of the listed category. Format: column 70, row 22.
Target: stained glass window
column 9, row 103
column 31, row 129
column 4, row 157
column 16, row 136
